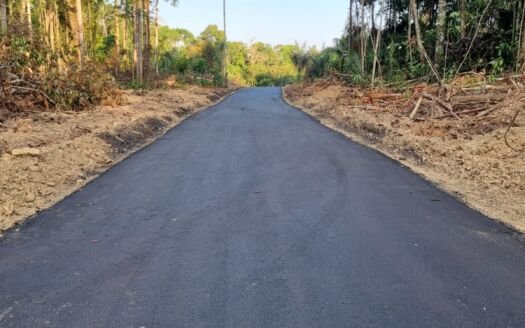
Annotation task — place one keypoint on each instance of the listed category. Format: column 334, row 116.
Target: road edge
column 116, row 161
column 331, row 124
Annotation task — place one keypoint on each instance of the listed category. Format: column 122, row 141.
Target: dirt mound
column 46, row 156
column 465, row 155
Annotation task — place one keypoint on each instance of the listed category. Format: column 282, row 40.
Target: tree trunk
column 156, row 44
column 116, row 33
column 521, row 50
column 49, row 28
column 363, row 39
column 3, row 16
column 419, row 39
column 372, row 17
column 102, row 19
column 77, row 27
column 80, row 22
column 350, row 27
column 56, row 26
column 225, row 58
column 147, row 38
column 440, row 31
column 376, row 55
column 26, row 12
column 137, row 51
column 409, row 35
column 463, row 28
column 91, row 27
column 125, row 27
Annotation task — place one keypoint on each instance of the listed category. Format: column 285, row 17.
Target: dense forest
column 399, row 40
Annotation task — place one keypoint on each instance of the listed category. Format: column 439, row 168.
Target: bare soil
column 467, row 157
column 47, row 155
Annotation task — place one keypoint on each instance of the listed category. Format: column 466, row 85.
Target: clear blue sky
column 316, row 22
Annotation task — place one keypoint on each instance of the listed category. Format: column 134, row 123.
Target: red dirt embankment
column 47, row 155
column 455, row 139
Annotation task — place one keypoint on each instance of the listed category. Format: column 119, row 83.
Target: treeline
column 122, row 34
column 198, row 59
column 126, row 39
column 398, row 40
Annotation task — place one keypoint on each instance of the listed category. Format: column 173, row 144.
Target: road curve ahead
column 251, row 214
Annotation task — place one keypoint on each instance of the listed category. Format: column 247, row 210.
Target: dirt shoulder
column 466, row 157
column 46, row 156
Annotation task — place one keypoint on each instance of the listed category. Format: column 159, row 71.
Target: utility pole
column 225, row 54
column 350, row 28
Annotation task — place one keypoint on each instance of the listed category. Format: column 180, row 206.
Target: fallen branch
column 416, row 108
column 509, row 127
column 366, row 107
column 442, row 104
column 34, row 90
column 463, row 112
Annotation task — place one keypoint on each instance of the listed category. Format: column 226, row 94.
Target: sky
column 316, row 22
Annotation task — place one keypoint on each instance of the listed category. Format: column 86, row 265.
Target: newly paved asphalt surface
column 251, row 214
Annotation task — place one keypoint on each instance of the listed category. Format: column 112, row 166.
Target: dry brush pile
column 33, row 79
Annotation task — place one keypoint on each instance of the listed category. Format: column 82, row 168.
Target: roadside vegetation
column 199, row 59
column 85, row 83
column 389, row 41
column 76, row 54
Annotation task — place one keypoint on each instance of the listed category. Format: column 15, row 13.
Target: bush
column 35, row 79
column 82, row 87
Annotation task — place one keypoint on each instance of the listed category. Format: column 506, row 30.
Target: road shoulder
column 46, row 156
column 480, row 172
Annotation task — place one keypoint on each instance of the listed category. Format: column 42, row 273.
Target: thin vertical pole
column 225, row 54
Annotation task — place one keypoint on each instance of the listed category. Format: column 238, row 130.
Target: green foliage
column 105, row 47
column 484, row 36
column 199, row 60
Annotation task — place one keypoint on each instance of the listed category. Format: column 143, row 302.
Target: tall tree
column 463, row 27
column 80, row 31
column 3, row 16
column 138, row 58
column 26, row 11
column 419, row 37
column 116, row 28
column 156, row 42
column 350, row 27
column 76, row 23
column 363, row 38
column 147, row 38
column 440, row 30
column 225, row 54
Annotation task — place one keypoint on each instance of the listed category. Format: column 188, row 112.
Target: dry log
column 476, row 99
column 510, row 127
column 416, row 108
column 442, row 104
column 463, row 112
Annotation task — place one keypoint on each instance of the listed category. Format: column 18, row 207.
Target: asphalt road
column 251, row 214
